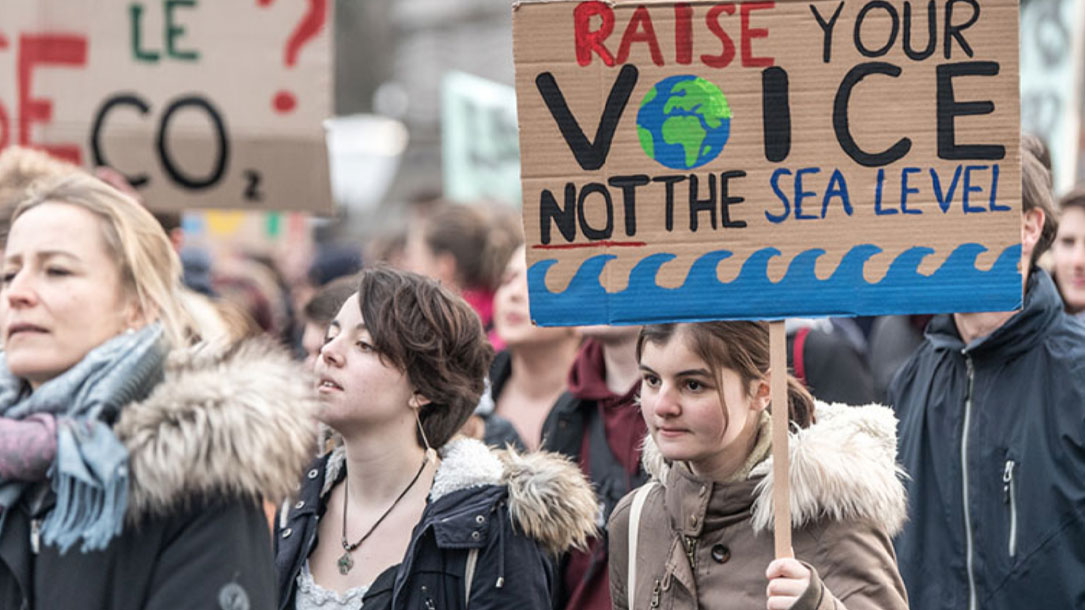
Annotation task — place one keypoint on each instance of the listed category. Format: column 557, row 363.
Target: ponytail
column 800, row 403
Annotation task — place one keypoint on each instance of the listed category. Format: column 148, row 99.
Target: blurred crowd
column 590, row 394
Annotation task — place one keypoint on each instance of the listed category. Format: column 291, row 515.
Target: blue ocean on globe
column 684, row 122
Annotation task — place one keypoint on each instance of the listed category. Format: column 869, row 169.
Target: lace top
column 311, row 596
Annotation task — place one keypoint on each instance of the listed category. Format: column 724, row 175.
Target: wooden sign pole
column 781, row 494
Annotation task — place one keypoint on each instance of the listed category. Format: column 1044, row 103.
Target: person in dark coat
column 828, row 361
column 157, row 459
column 598, row 424
column 991, row 409
column 892, row 341
column 403, row 514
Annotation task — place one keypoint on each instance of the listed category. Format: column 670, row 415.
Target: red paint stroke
column 594, row 244
column 43, row 50
column 284, row 102
column 588, row 40
column 308, row 28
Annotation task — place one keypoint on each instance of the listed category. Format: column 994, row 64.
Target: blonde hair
column 20, row 168
column 150, row 269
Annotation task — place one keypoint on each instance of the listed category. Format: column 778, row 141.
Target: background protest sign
column 480, row 148
column 197, row 103
column 1052, row 69
column 736, row 160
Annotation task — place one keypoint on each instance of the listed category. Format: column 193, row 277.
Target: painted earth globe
column 684, row 122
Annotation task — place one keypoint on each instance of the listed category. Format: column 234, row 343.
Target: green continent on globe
column 699, row 92
column 686, row 131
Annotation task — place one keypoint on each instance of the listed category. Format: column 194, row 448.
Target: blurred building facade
column 391, row 56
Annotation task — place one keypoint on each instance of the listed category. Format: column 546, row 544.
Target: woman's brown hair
column 740, row 346
column 1036, row 190
column 435, row 338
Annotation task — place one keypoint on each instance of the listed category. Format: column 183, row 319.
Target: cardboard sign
column 480, row 146
column 198, row 103
column 758, row 160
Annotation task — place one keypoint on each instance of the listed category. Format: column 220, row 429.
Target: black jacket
column 195, row 535
column 507, row 510
column 829, row 365
column 166, row 563
column 993, row 436
column 563, row 432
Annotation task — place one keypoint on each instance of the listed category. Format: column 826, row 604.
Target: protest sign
column 759, row 160
column 480, row 147
column 1052, row 62
column 197, row 103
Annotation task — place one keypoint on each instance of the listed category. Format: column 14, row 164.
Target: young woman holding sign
column 698, row 534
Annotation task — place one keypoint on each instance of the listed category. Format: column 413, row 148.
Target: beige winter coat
column 846, row 502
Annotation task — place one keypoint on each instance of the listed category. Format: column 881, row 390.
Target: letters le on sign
column 198, row 103
column 731, row 160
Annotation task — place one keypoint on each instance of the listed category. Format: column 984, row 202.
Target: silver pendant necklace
column 346, row 562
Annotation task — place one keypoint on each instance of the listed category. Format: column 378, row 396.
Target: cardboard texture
column 762, row 160
column 200, row 104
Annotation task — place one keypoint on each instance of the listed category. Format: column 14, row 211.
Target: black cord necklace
column 346, row 562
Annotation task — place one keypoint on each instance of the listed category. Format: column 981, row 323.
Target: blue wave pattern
column 957, row 286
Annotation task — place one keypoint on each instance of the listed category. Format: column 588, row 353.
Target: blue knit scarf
column 90, row 473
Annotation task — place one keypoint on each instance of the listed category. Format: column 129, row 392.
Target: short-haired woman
column 402, row 515
column 156, row 460
column 702, row 537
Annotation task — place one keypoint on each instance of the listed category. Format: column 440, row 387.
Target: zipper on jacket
column 35, row 535
column 964, row 483
column 691, row 551
column 1010, row 494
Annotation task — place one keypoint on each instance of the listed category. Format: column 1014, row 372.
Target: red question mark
column 307, row 29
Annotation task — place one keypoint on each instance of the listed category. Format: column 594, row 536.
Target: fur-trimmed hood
column 549, row 498
column 233, row 423
column 842, row 468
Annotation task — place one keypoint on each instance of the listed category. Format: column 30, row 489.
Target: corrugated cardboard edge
column 613, row 3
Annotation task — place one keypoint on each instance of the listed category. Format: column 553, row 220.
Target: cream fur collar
column 222, row 424
column 842, row 468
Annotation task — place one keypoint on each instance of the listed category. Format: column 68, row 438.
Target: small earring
column 425, row 441
column 129, row 331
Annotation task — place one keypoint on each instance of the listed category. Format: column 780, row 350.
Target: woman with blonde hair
column 161, row 454
column 697, row 535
